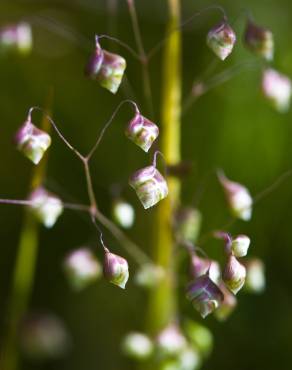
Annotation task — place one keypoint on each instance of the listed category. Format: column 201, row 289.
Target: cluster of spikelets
column 276, row 87
column 209, row 289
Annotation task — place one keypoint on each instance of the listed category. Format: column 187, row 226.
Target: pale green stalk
column 162, row 304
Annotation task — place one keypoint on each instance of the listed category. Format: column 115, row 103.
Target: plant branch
column 108, row 123
column 142, row 55
column 61, row 136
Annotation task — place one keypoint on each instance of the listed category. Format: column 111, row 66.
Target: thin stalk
column 24, row 270
column 162, row 301
column 142, row 54
column 25, row 202
column 90, row 191
column 131, row 247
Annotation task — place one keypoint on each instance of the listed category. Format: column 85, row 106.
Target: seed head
column 221, row 40
column 107, row 68
column 16, row 37
column 238, row 198
column 47, row 207
column 142, row 131
column 32, row 142
column 204, row 295
column 259, row 40
column 150, row 186
column 255, row 275
column 115, row 269
column 277, row 88
column 123, row 214
column 170, row 340
column 200, row 266
column 240, row 245
column 81, row 268
column 234, row 274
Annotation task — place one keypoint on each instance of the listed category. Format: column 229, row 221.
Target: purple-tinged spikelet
column 32, row 141
column 115, row 269
column 204, row 294
column 200, row 266
column 277, row 88
column 221, row 40
column 142, row 131
column 94, row 64
column 81, row 268
column 240, row 245
column 150, row 186
column 238, row 198
column 16, row 37
column 171, row 341
column 107, row 68
column 255, row 275
column 47, row 207
column 234, row 274
column 259, row 40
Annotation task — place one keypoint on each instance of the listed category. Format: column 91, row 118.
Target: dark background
column 231, row 127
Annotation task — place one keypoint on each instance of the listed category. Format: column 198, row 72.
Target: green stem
column 162, row 305
column 23, row 276
column 143, row 56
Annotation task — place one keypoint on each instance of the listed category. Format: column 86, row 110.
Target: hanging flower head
column 259, row 40
column 204, row 294
column 255, row 275
column 107, row 68
column 46, row 206
column 115, row 269
column 142, row 131
column 201, row 266
column 277, row 88
column 16, row 37
column 81, row 268
column 221, row 39
column 240, row 245
column 31, row 141
column 123, row 213
column 238, row 198
column 150, row 186
column 170, row 340
column 234, row 274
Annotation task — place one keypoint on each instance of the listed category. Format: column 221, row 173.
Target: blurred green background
column 231, row 127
